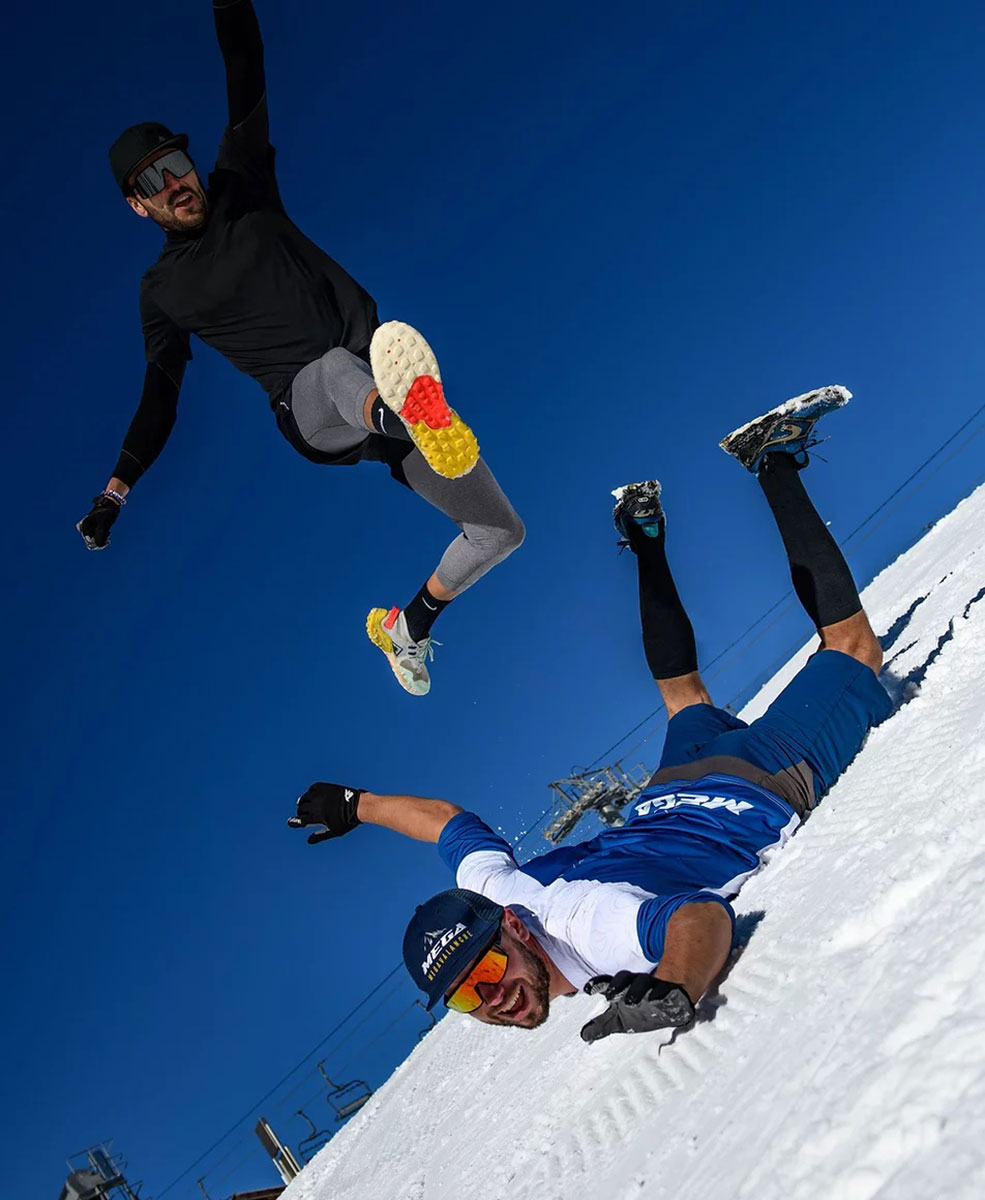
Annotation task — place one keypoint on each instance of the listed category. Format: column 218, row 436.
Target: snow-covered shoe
column 786, row 429
column 406, row 372
column 638, row 504
column 407, row 658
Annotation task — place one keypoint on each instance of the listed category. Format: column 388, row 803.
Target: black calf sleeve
column 668, row 637
column 821, row 577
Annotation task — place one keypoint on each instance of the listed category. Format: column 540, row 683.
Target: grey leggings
column 327, row 400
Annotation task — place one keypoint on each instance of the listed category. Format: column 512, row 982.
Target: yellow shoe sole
column 377, row 634
column 407, row 375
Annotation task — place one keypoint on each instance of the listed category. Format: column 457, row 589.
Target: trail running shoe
column 639, row 504
column 407, row 658
column 406, row 372
column 787, row 429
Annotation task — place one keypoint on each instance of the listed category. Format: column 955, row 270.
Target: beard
column 184, row 219
column 541, row 989
column 538, row 985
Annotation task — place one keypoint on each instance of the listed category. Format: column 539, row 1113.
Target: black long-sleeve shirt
column 248, row 283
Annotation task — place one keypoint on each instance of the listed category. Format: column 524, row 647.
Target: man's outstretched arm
column 413, row 816
column 239, row 37
column 149, row 431
column 339, row 809
column 167, row 351
column 151, row 425
column 696, row 946
column 699, row 937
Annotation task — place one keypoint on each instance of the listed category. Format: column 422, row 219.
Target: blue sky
column 625, row 229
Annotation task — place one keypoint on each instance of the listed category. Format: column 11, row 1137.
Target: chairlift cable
column 943, row 446
column 386, row 1029
column 781, row 601
column 331, row 1033
column 913, row 474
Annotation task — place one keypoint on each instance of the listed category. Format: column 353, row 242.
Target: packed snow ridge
column 843, row 1056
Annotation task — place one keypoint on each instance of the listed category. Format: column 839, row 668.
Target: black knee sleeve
column 821, row 577
column 668, row 636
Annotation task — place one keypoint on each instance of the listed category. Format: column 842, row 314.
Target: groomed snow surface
column 843, row 1057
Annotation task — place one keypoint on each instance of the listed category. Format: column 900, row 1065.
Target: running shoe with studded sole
column 638, row 504
column 787, row 429
column 407, row 658
column 406, row 372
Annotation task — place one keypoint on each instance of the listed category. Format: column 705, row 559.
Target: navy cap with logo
column 134, row 144
column 445, row 935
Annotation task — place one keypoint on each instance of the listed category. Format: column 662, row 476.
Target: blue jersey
column 603, row 905
column 707, row 833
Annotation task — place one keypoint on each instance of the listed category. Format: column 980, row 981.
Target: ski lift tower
column 98, row 1174
column 287, row 1165
column 604, row 790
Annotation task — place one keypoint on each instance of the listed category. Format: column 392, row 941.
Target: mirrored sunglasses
column 490, row 968
column 151, row 179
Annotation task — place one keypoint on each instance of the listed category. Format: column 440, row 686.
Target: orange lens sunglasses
column 490, row 968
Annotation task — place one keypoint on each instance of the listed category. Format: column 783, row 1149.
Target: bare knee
column 681, row 691
column 855, row 638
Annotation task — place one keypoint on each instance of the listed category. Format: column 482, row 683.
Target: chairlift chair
column 308, row 1147
column 345, row 1098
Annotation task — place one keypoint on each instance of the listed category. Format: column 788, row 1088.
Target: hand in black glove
column 328, row 804
column 637, row 1003
column 96, row 524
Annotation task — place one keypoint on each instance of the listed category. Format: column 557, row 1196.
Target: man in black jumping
column 240, row 275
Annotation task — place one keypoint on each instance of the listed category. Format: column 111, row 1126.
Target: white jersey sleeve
column 587, row 928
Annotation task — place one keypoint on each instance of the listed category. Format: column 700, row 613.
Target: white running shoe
column 786, row 429
column 407, row 658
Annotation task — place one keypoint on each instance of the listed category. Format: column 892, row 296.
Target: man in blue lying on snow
column 641, row 914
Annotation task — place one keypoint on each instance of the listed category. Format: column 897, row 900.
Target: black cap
column 134, row 144
column 445, row 935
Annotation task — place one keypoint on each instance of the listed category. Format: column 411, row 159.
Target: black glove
column 638, row 1003
column 96, row 524
column 328, row 804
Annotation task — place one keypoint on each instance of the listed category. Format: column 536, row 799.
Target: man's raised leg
column 821, row 577
column 490, row 531
column 668, row 637
column 774, row 447
column 818, row 723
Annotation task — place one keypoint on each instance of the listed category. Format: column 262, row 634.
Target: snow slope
column 844, row 1055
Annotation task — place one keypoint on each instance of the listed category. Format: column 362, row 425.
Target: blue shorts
column 821, row 717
